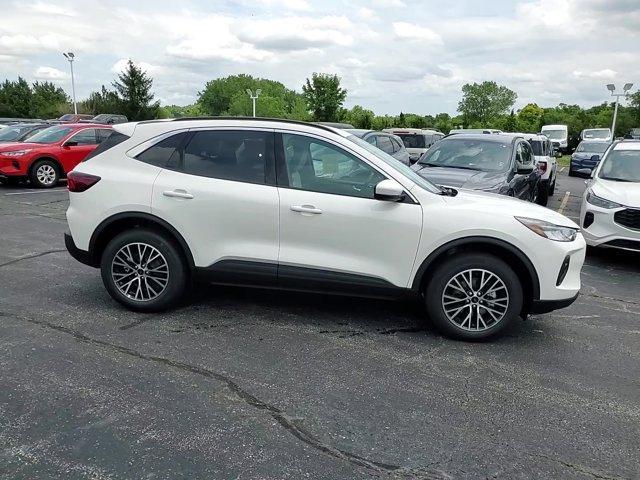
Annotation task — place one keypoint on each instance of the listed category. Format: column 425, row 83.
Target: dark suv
column 498, row 163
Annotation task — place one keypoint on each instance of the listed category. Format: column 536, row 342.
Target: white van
column 600, row 134
column 416, row 140
column 559, row 135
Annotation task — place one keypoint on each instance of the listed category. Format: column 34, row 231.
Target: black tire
column 543, row 194
column 11, row 181
column 571, row 172
column 176, row 281
column 44, row 174
column 460, row 263
column 552, row 188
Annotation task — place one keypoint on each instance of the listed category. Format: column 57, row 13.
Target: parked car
column 457, row 131
column 50, row 154
column 601, row 134
column 74, row 117
column 498, row 163
column 610, row 213
column 20, row 131
column 586, row 157
column 559, row 136
column 545, row 159
column 416, row 140
column 294, row 205
column 635, row 133
column 388, row 143
column 108, row 119
column 335, row 124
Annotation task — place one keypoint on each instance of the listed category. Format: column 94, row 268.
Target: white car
column 547, row 164
column 308, row 207
column 599, row 134
column 610, row 213
column 416, row 140
column 559, row 135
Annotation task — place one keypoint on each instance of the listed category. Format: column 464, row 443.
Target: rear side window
column 384, row 144
column 163, row 151
column 112, row 140
column 240, row 155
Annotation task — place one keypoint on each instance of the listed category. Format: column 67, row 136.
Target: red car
column 51, row 153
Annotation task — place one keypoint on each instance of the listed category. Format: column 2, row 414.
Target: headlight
column 549, row 230
column 601, row 202
column 16, row 153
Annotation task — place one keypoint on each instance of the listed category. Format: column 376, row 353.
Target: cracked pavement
column 244, row 384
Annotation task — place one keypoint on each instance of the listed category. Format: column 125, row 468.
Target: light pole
column 612, row 88
column 254, row 98
column 70, row 56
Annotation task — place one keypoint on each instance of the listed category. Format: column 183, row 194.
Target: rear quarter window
column 111, row 141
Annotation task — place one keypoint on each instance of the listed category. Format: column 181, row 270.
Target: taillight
column 79, row 182
column 542, row 166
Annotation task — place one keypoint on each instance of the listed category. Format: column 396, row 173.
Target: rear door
column 218, row 190
column 332, row 229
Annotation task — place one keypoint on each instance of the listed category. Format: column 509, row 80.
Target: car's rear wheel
column 144, row 271
column 552, row 188
column 473, row 296
column 45, row 174
column 543, row 194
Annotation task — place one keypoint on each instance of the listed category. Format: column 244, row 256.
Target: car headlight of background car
column 16, row 153
column 601, row 202
column 549, row 230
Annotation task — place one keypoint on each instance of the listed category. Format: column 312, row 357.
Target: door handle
column 178, row 193
column 305, row 209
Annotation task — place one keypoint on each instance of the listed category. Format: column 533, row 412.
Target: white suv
column 299, row 206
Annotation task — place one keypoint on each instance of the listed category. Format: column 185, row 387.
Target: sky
column 392, row 55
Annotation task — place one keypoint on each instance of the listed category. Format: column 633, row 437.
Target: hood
column 460, row 177
column 502, row 205
column 13, row 146
column 624, row 193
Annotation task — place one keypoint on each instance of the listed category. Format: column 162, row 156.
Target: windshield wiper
column 449, row 166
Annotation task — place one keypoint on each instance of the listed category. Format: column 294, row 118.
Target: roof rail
column 258, row 119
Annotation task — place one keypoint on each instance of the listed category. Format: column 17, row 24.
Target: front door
column 331, row 226
column 75, row 148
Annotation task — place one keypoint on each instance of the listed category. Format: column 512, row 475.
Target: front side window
column 384, row 144
column 84, row 137
column 318, row 166
column 228, row 155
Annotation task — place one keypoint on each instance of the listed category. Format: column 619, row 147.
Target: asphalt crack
column 34, row 255
column 289, row 424
column 578, row 468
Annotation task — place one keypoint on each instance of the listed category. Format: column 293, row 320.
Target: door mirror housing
column 595, row 158
column 389, row 190
column 524, row 169
column 71, row 143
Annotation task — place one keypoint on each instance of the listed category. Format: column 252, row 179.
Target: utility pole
column 254, row 98
column 70, row 56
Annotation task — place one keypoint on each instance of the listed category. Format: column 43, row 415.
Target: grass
column 564, row 160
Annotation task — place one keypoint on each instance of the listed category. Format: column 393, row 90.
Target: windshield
column 622, row 166
column 50, row 135
column 401, row 167
column 13, row 133
column 597, row 133
column 470, row 154
column 412, row 140
column 555, row 134
column 538, row 147
column 592, row 147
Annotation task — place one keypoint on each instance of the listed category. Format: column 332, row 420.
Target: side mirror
column 524, row 169
column 389, row 190
column 71, row 144
column 595, row 158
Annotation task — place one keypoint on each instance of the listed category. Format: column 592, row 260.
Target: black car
column 107, row 119
column 18, row 132
column 497, row 163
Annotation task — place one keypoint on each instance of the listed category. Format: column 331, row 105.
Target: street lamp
column 612, row 88
column 70, row 56
column 254, row 98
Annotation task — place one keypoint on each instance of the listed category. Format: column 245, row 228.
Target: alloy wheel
column 46, row 174
column 140, row 271
column 475, row 300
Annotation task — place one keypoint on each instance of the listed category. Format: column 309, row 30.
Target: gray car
column 387, row 142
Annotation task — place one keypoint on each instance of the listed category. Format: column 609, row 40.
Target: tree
column 530, row 118
column 103, row 101
column 358, row 117
column 15, row 98
column 482, row 102
column 134, row 90
column 48, row 101
column 324, row 96
column 511, row 123
column 443, row 122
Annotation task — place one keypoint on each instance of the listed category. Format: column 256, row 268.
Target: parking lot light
column 70, row 56
column 612, row 88
column 254, row 98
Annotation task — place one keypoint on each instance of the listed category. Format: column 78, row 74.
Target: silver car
column 387, row 142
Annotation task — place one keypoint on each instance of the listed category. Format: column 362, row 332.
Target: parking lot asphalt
column 246, row 384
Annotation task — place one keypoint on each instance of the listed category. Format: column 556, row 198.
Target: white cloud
column 298, row 5
column 605, row 74
column 50, row 74
column 48, row 8
column 411, row 31
column 388, row 3
column 121, row 64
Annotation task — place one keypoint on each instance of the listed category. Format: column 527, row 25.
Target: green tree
column 483, row 102
column 48, row 101
column 358, row 117
column 103, row 101
column 15, row 98
column 530, row 118
column 511, row 123
column 443, row 122
column 324, row 96
column 134, row 90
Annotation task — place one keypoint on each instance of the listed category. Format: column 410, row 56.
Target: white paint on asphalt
column 52, row 190
column 565, row 199
column 562, row 169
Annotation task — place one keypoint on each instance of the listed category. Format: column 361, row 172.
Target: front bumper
column 546, row 306
column 603, row 231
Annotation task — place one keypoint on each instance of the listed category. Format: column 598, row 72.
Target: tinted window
column 228, row 155
column 371, row 139
column 321, row 167
column 527, row 154
column 538, row 147
column 50, row 135
column 84, row 137
column 114, row 139
column 161, row 152
column 103, row 134
column 412, row 140
column 384, row 144
column 396, row 145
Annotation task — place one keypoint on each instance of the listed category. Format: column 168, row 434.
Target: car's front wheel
column 143, row 270
column 473, row 296
column 45, row 174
